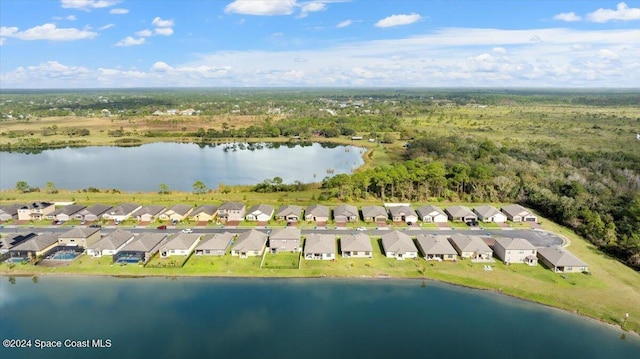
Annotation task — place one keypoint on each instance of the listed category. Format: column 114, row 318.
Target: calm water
column 176, row 164
column 250, row 318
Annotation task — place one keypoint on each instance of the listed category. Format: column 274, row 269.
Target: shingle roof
column 123, row 209
column 459, row 211
column 288, row 210
column 320, row 243
column 470, row 243
column 398, row 211
column 96, row 209
column 560, row 257
column 358, row 242
column 486, row 211
column 113, row 241
column 345, row 210
column 145, row 242
column 217, row 241
column 286, row 233
column 514, row 243
column 373, row 211
column 153, row 210
column 231, row 206
column 317, row 210
column 180, row 209
column 205, row 208
column 79, row 232
column 69, row 210
column 37, row 243
column 251, row 241
column 182, row 241
column 398, row 242
column 435, row 244
column 262, row 208
column 430, row 210
column 13, row 239
column 515, row 210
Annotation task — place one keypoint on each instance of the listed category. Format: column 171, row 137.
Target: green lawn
column 282, row 260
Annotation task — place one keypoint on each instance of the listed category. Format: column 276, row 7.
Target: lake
column 293, row 318
column 178, row 165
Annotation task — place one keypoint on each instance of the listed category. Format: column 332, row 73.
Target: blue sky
column 328, row 43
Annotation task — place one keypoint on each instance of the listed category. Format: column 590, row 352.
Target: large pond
column 177, row 165
column 296, row 318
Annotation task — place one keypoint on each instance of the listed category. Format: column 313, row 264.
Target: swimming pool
column 17, row 260
column 133, row 260
column 63, row 256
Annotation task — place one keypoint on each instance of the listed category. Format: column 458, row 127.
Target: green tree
column 163, row 188
column 50, row 187
column 199, row 187
column 22, row 186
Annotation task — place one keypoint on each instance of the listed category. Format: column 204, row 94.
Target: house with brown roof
column 560, row 260
column 285, row 240
column 35, row 211
column 317, row 213
column 356, row 246
column 489, row 214
column 374, row 214
column 232, row 212
column 80, row 236
column 204, row 213
column 472, row 247
column 515, row 250
column 260, row 213
column 460, row 214
column 432, row 214
column 517, row 213
column 398, row 245
column 177, row 213
column 181, row 245
column 289, row 213
column 436, row 248
column 214, row 244
column 249, row 244
column 320, row 246
column 110, row 244
column 345, row 213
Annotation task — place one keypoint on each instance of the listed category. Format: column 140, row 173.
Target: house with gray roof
column 356, row 246
column 181, row 245
column 403, row 214
column 260, row 213
column 560, row 260
column 460, row 214
column 289, row 213
column 80, row 236
column 374, row 214
column 285, row 240
column 92, row 213
column 110, row 244
column 232, row 211
column 515, row 250
column 320, row 246
column 432, row 214
column 10, row 212
column 345, row 213
column 35, row 211
column 11, row 240
column 141, row 248
column 249, row 244
column 122, row 212
column 398, row 245
column 177, row 212
column 148, row 213
column 436, row 248
column 35, row 247
column 214, row 244
column 317, row 213
column 517, row 213
column 472, row 247
column 489, row 214
column 204, row 213
column 65, row 213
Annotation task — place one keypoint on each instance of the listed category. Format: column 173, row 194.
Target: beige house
column 317, row 213
column 403, row 214
column 181, row 245
column 215, row 244
column 472, row 247
column 560, row 260
column 460, row 214
column 356, row 246
column 436, row 248
column 489, row 214
column 204, row 213
column 398, row 245
column 148, row 213
column 432, row 214
column 35, row 247
column 121, row 213
column 232, row 212
column 250, row 244
column 35, row 211
column 110, row 244
column 178, row 213
column 9, row 212
column 65, row 213
column 320, row 247
column 374, row 214
column 81, row 237
column 285, row 240
column 345, row 213
column 517, row 213
column 92, row 213
column 515, row 250
column 289, row 213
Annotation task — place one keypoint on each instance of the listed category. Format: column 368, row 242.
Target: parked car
column 163, row 227
column 187, row 230
column 361, row 229
column 95, row 226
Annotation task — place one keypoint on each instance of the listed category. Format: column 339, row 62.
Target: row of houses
column 126, row 247
column 237, row 211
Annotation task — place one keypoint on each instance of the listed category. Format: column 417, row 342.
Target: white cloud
column 119, row 11
column 164, row 31
column 310, row 7
column 621, row 13
column 130, row 41
column 261, row 7
column 499, row 50
column 87, row 4
column 47, row 32
column 398, row 20
column 161, row 67
column 71, row 18
column 568, row 17
column 607, row 54
column 144, row 33
column 344, row 24
column 107, row 26
column 162, row 23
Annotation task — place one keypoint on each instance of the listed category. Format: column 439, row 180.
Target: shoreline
column 346, row 278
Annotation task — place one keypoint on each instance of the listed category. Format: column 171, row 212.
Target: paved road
column 538, row 238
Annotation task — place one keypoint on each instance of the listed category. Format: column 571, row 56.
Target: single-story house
column 215, row 244
column 177, row 212
column 204, row 213
column 92, row 213
column 289, row 213
column 11, row 240
column 517, row 213
column 80, row 236
column 260, row 213
column 489, row 214
column 317, row 213
column 35, row 211
column 148, row 213
column 515, row 250
column 181, row 245
column 346, row 213
column 460, row 214
column 10, row 212
column 35, row 247
column 110, row 244
column 432, row 214
column 560, row 260
column 66, row 213
column 403, row 214
column 436, row 247
column 121, row 213
column 374, row 214
column 249, row 244
column 285, row 240
column 356, row 246
column 232, row 211
column 141, row 249
column 398, row 245
column 320, row 246
column 472, row 247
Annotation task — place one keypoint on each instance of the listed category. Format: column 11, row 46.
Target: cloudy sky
column 328, row 43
